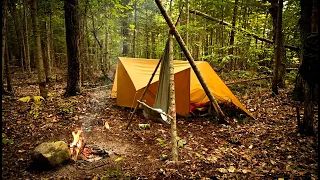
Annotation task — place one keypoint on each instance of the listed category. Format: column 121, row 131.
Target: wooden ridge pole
column 241, row 29
column 191, row 61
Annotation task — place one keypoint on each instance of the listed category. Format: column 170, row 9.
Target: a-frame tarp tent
column 132, row 76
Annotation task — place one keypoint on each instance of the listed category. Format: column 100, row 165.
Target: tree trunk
column 234, row 18
column 72, row 36
column 7, row 70
column 134, row 30
column 306, row 28
column 173, row 104
column 52, row 56
column 19, row 42
column 49, row 60
column 125, row 30
column 3, row 40
column 37, row 49
column 308, row 117
column 279, row 60
column 153, row 45
column 26, row 37
column 107, row 53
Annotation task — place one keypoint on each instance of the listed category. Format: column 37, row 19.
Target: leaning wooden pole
column 191, row 61
column 240, row 29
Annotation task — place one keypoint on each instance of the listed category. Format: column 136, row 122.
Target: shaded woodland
column 59, row 62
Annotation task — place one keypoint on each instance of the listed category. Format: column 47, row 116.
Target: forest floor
column 267, row 148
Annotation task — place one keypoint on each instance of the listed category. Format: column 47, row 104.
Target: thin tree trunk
column 26, row 37
column 52, row 56
column 279, row 69
column 125, row 31
column 48, row 48
column 37, row 49
column 3, row 40
column 72, row 36
column 107, row 54
column 46, row 54
column 7, row 70
column 173, row 104
column 232, row 34
column 15, row 18
column 134, row 30
column 187, row 24
column 153, row 45
column 172, row 107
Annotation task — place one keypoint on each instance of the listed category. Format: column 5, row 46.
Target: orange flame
column 77, row 143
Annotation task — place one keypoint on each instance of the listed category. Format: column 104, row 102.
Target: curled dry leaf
column 222, row 170
column 231, row 169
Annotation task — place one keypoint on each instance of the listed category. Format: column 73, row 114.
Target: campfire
column 80, row 150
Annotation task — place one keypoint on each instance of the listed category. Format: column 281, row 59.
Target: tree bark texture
column 3, row 40
column 172, row 106
column 232, row 34
column 19, row 37
column 26, row 37
column 279, row 60
column 37, row 49
column 7, row 70
column 107, row 51
column 72, row 37
column 125, row 31
column 134, row 30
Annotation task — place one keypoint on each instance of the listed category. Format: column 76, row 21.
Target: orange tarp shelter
column 133, row 74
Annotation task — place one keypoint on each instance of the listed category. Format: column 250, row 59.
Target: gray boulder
column 50, row 154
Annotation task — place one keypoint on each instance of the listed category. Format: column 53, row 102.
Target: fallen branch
column 248, row 80
column 241, row 29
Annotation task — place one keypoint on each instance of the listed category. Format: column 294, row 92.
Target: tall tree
column 306, row 28
column 279, row 58
column 37, row 49
column 7, row 70
column 72, row 37
column 3, row 40
column 125, row 30
column 19, row 37
column 26, row 36
column 172, row 106
column 234, row 19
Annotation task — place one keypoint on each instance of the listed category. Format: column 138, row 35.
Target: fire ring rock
column 50, row 154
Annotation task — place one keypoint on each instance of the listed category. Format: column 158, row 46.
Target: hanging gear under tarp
column 162, row 100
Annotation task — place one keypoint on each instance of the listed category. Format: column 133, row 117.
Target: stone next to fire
column 50, row 154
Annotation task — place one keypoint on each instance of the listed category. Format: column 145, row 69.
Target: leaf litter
column 269, row 147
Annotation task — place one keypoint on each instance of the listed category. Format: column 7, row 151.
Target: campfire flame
column 77, row 144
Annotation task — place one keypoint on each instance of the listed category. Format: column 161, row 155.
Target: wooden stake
column 191, row 61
